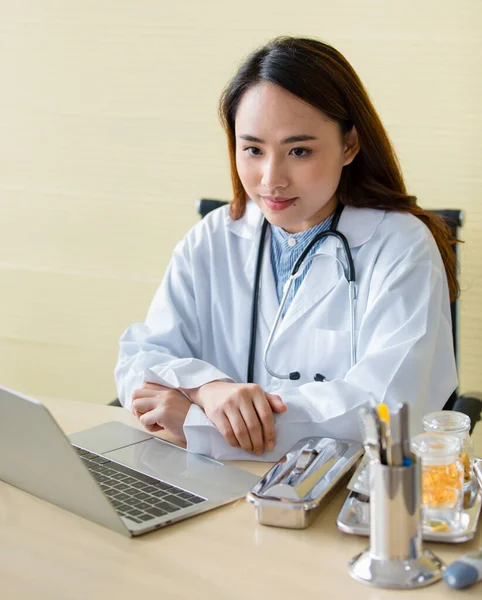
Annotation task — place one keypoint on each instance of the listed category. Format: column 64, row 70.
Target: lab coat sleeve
column 405, row 354
column 165, row 349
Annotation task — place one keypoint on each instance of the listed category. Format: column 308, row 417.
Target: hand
column 243, row 413
column 158, row 407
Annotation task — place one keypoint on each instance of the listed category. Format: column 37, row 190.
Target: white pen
column 465, row 571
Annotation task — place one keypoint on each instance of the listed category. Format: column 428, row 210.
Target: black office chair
column 469, row 404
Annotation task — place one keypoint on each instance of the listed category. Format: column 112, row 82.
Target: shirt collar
column 303, row 238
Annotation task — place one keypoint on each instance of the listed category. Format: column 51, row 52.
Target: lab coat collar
column 249, row 225
column 357, row 224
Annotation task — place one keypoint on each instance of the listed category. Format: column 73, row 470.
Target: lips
column 278, row 202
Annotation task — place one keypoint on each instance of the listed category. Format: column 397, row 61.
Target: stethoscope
column 349, row 272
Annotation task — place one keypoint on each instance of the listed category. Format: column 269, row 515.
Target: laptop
column 118, row 476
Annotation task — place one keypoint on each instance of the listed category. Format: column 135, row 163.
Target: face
column 289, row 156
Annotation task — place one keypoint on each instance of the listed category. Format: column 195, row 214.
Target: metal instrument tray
column 301, row 482
column 354, row 516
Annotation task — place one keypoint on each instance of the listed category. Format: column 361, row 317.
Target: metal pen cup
column 395, row 558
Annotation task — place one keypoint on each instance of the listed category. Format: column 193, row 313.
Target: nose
column 274, row 175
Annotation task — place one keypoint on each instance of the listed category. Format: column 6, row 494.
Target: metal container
column 295, row 489
column 395, row 558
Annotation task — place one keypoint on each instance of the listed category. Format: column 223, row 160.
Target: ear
column 351, row 145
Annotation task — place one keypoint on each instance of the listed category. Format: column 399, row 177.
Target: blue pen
column 465, row 571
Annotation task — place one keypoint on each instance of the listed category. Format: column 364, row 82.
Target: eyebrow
column 289, row 140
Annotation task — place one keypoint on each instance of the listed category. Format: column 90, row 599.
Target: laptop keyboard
column 133, row 494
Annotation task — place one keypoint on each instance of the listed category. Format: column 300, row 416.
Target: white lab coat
column 198, row 327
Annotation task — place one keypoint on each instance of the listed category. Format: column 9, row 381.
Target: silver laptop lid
column 36, row 457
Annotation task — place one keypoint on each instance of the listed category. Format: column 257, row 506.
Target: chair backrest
column 453, row 218
column 206, row 205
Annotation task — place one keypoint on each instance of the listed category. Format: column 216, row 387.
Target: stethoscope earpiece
column 319, row 377
column 294, row 376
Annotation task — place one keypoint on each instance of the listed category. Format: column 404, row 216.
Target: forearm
column 297, row 422
column 142, row 360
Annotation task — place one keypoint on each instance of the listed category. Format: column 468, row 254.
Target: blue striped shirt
column 286, row 248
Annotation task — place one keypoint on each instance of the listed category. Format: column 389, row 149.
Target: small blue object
column 460, row 575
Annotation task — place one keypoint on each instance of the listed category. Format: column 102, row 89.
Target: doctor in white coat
column 304, row 142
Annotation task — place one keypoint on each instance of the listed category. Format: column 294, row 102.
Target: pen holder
column 395, row 558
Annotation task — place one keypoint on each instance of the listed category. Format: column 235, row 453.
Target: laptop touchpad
column 108, row 436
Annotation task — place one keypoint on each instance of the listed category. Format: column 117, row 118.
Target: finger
column 276, row 403
column 153, row 417
column 254, row 427
column 239, row 427
column 143, row 393
column 224, row 426
column 142, row 405
column 265, row 414
column 154, row 428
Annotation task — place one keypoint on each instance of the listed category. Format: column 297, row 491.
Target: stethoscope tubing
column 301, row 263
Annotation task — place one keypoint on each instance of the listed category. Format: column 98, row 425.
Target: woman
column 305, row 143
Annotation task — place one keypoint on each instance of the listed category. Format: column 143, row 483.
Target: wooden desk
column 48, row 553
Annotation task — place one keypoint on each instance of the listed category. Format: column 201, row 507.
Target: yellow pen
column 386, row 439
column 384, row 413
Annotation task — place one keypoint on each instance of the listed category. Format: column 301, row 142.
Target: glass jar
column 456, row 424
column 442, row 480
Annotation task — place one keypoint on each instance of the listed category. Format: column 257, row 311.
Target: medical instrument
column 379, row 447
column 295, row 489
column 404, row 434
column 465, row 571
column 396, row 446
column 298, row 269
column 370, row 428
column 385, row 435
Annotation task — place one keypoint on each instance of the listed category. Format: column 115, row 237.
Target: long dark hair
column 318, row 74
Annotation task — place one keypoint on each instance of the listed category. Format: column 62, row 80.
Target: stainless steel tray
column 354, row 516
column 299, row 484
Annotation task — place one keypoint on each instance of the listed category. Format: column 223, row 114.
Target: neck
column 326, row 212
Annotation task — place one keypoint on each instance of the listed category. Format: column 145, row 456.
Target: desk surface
column 48, row 553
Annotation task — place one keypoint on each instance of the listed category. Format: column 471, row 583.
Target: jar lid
column 435, row 445
column 446, row 421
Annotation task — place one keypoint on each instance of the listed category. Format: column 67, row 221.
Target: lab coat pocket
column 332, row 352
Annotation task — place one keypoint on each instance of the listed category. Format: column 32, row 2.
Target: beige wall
column 109, row 133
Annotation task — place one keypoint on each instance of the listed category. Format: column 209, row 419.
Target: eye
column 252, row 150
column 301, row 152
